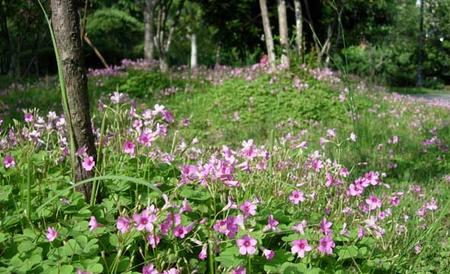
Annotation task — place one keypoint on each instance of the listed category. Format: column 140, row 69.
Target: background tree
column 284, row 32
column 267, row 32
column 148, row 28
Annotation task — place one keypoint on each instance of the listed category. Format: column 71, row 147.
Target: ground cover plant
column 247, row 170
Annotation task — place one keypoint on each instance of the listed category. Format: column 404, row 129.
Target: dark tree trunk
column 6, row 58
column 65, row 21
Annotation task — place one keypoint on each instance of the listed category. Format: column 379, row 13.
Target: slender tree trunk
column 217, row 58
column 267, row 32
column 299, row 27
column 6, row 58
column 193, row 51
column 148, row 29
column 419, row 82
column 65, row 21
column 284, row 35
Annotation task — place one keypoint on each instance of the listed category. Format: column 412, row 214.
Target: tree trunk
column 163, row 64
column 65, row 21
column 267, row 32
column 299, row 27
column 419, row 81
column 193, row 51
column 148, row 29
column 284, row 36
column 6, row 58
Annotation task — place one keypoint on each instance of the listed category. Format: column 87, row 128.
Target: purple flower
column 272, row 224
column 373, row 202
column 9, row 161
column 247, row 245
column 88, row 163
column 299, row 247
column 149, row 269
column 296, row 197
column 181, row 231
column 239, row 270
column 325, row 226
column 28, row 117
column 203, row 253
column 300, row 227
column 128, row 148
column 248, row 208
column 269, row 254
column 51, row 234
column 123, row 224
column 144, row 220
column 93, row 224
column 326, row 245
column 153, row 240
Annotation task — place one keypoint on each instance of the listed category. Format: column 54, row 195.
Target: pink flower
column 417, row 248
column 181, row 231
column 80, row 271
column 299, row 247
column 153, row 240
column 28, row 117
column 395, row 200
column 269, row 254
column 93, row 224
column 149, row 269
column 326, row 245
column 239, row 270
column 247, row 245
column 325, row 226
column 88, row 163
column 123, row 224
column 272, row 224
column 360, row 232
column 144, row 220
column 203, row 253
column 51, row 234
column 296, row 197
column 355, row 190
column 167, row 116
column 128, row 147
column 373, row 202
column 146, row 139
column 185, row 206
column 173, row 270
column 9, row 161
column 300, row 227
column 248, row 208
column 432, row 205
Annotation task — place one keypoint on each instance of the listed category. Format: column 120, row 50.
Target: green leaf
column 25, row 246
column 95, row 268
column 348, row 252
column 199, row 194
column 5, row 191
column 229, row 257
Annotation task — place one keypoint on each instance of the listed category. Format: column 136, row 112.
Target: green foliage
column 103, row 27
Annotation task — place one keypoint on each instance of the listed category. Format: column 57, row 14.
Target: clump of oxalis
column 171, row 205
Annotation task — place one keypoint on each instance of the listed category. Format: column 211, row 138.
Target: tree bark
column 419, row 81
column 284, row 36
column 299, row 27
column 148, row 29
column 193, row 51
column 267, row 32
column 65, row 22
column 5, row 64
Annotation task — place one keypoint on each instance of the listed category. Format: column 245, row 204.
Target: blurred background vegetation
column 374, row 39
